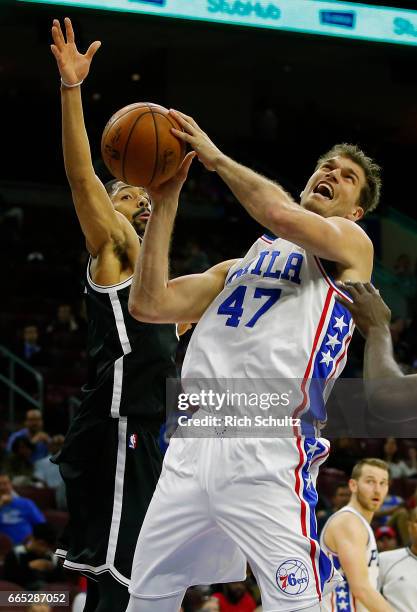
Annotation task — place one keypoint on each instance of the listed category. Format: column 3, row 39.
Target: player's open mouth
column 142, row 215
column 325, row 190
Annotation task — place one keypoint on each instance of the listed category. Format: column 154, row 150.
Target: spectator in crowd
column 386, row 538
column 44, row 469
column 398, row 572
column 340, row 497
column 33, row 430
column 19, row 464
column 18, row 515
column 30, row 348
column 33, row 564
column 397, row 467
column 235, row 598
column 392, row 503
column 64, row 321
column 412, row 461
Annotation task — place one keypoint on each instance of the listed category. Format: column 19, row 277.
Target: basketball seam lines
column 127, row 143
column 156, row 146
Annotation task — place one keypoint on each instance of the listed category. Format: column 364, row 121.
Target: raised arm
column 98, row 219
column 348, row 539
column 332, row 238
column 391, row 393
column 153, row 297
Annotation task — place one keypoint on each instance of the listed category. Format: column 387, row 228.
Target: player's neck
column 367, row 514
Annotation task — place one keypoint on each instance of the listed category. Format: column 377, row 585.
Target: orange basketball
column 138, row 147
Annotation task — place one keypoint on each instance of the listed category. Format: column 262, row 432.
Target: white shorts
column 225, row 501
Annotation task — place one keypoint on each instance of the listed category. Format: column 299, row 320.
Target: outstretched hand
column 73, row 65
column 206, row 150
column 170, row 190
column 368, row 309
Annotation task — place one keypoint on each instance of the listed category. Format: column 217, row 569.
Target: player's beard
column 139, row 226
column 366, row 503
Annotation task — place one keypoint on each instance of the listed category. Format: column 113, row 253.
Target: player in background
column 398, row 571
column 271, row 315
column 391, row 393
column 110, row 460
column 348, row 538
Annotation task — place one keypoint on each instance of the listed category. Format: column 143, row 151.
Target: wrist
column 219, row 161
column 65, row 85
column 378, row 329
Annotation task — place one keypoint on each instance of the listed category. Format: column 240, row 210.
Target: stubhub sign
column 331, row 18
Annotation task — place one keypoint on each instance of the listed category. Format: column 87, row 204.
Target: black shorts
column 108, row 496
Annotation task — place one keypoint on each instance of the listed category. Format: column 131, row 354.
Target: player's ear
column 353, row 485
column 356, row 214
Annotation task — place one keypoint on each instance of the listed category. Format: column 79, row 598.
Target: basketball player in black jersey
column 110, row 460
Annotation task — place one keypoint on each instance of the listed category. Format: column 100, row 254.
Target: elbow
column 279, row 220
column 81, row 180
column 141, row 313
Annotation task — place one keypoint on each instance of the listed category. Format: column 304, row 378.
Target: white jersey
column 398, row 579
column 276, row 318
column 342, row 599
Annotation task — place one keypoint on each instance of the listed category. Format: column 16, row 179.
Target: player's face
column 134, row 203
column 334, row 189
column 34, row 421
column 371, row 487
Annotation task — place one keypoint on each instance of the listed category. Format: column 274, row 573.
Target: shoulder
column 347, row 524
column 354, row 231
column 392, row 556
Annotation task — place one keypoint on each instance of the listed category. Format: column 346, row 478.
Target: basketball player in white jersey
column 398, row 571
column 348, row 538
column 223, row 500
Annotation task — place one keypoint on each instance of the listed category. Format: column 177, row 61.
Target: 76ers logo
column 133, row 440
column 292, row 577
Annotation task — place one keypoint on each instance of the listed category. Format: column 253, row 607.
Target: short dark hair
column 371, row 192
column 379, row 463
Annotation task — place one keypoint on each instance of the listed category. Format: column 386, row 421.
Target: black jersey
column 128, row 364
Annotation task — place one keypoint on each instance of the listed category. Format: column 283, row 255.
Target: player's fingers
column 348, row 288
column 185, row 117
column 92, row 49
column 344, row 302
column 55, row 51
column 186, row 163
column 69, row 31
column 355, row 289
column 56, row 38
column 371, row 289
column 182, row 135
column 183, row 121
column 60, row 40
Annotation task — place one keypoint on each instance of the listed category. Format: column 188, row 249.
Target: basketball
column 138, row 147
